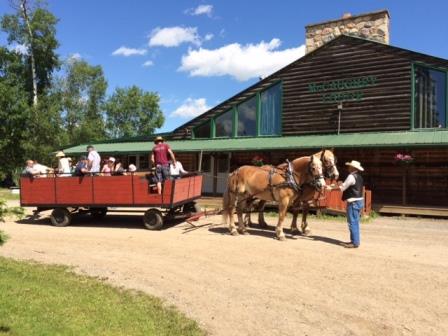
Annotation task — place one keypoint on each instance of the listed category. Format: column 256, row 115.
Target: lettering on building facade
column 339, row 89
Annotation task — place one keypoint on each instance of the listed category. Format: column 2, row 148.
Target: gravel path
column 395, row 284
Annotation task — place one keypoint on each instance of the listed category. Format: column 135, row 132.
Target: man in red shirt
column 160, row 159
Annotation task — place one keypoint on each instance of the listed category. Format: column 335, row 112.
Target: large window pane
column 430, row 98
column 202, row 131
column 247, row 117
column 224, row 124
column 271, row 100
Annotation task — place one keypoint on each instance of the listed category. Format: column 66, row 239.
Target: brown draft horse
column 274, row 184
column 307, row 194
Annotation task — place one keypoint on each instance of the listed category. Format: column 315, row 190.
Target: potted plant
column 404, row 160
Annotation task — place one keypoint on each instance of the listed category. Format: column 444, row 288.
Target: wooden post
column 200, row 162
column 404, row 186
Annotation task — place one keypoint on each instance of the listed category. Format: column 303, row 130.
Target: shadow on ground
column 124, row 221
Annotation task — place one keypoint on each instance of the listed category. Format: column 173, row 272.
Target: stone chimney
column 373, row 26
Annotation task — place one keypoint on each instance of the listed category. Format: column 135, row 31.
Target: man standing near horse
column 160, row 159
column 352, row 192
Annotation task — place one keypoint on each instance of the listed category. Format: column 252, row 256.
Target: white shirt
column 177, row 169
column 43, row 170
column 349, row 181
column 64, row 166
column 95, row 160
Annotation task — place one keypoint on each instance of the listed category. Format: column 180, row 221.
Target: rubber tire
column 98, row 213
column 191, row 207
column 60, row 217
column 153, row 219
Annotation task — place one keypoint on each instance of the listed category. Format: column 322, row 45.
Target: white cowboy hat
column 355, row 164
column 60, row 154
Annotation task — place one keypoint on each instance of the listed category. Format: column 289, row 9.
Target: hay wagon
column 67, row 196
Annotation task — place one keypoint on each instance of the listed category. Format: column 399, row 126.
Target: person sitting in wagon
column 29, row 170
column 63, row 164
column 82, row 167
column 42, row 169
column 177, row 170
column 108, row 168
column 159, row 158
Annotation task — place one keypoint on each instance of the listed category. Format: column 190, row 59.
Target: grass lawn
column 7, row 195
column 37, row 299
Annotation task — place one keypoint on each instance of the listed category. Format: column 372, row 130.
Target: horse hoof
column 295, row 233
column 281, row 238
column 245, row 233
column 306, row 232
column 234, row 233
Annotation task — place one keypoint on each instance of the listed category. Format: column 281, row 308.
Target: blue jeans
column 353, row 214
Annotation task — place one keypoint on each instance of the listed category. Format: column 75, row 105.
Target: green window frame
column 414, row 108
column 234, row 109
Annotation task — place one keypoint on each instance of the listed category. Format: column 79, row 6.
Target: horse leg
column 294, row 229
column 247, row 215
column 282, row 208
column 305, row 210
column 261, row 222
column 228, row 209
column 241, row 206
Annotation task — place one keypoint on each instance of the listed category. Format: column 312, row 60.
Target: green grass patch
column 38, row 299
column 7, row 195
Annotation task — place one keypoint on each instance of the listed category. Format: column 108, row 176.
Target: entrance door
column 215, row 168
column 222, row 163
column 207, row 170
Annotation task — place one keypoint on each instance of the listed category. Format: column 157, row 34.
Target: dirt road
column 395, row 284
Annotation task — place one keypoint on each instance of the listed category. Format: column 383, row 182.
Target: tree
column 83, row 91
column 35, row 30
column 15, row 113
column 132, row 111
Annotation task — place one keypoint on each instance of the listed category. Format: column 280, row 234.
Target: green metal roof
column 345, row 140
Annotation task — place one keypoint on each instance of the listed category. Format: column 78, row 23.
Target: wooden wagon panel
column 74, row 190
column 37, row 191
column 113, row 190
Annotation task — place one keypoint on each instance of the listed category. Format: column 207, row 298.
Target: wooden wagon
column 67, row 196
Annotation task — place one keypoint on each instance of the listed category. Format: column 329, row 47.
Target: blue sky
column 199, row 53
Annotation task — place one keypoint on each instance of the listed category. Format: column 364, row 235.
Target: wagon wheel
column 60, row 217
column 98, row 213
column 191, row 207
column 153, row 219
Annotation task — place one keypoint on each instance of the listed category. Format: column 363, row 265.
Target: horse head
column 329, row 163
column 315, row 169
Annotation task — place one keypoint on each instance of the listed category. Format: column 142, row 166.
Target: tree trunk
column 30, row 49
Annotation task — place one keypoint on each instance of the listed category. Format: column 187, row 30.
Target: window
column 261, row 115
column 224, row 124
column 247, row 118
column 203, row 131
column 430, row 109
column 143, row 162
column 270, row 110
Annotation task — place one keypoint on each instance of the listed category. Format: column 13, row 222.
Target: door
column 222, row 163
column 207, row 170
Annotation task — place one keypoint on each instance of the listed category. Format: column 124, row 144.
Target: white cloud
column 125, row 51
column 191, row 108
column 19, row 48
column 240, row 61
column 75, row 57
column 148, row 63
column 208, row 37
column 201, row 10
column 174, row 36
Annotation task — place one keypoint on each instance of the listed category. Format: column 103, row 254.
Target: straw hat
column 355, row 164
column 157, row 139
column 60, row 154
